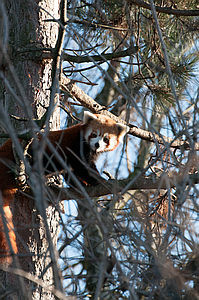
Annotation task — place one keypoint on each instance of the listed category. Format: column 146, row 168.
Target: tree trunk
column 25, row 92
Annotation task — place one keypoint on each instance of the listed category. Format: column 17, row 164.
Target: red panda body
column 78, row 146
column 76, row 153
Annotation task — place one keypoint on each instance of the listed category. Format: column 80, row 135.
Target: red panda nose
column 97, row 145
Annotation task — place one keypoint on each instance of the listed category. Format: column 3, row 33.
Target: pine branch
column 167, row 10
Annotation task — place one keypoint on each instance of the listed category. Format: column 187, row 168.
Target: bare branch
column 141, row 183
column 44, row 53
column 102, row 57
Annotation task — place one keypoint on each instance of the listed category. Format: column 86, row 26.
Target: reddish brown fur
column 65, row 141
column 8, row 185
column 106, row 125
column 4, row 245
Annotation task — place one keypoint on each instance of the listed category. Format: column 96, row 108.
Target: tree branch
column 45, row 53
column 142, row 183
column 166, row 10
column 104, row 56
column 94, row 24
column 77, row 93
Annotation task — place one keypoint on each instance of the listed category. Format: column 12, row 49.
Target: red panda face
column 100, row 141
column 102, row 133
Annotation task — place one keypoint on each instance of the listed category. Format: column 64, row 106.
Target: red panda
column 78, row 145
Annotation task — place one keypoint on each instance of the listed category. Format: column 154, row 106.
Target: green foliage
column 139, row 28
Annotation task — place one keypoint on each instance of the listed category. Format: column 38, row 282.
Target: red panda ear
column 122, row 129
column 88, row 116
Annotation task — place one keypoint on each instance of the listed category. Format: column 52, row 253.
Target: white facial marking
column 112, row 143
column 87, row 133
column 96, row 141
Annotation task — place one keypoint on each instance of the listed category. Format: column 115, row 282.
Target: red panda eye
column 106, row 140
column 93, row 135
